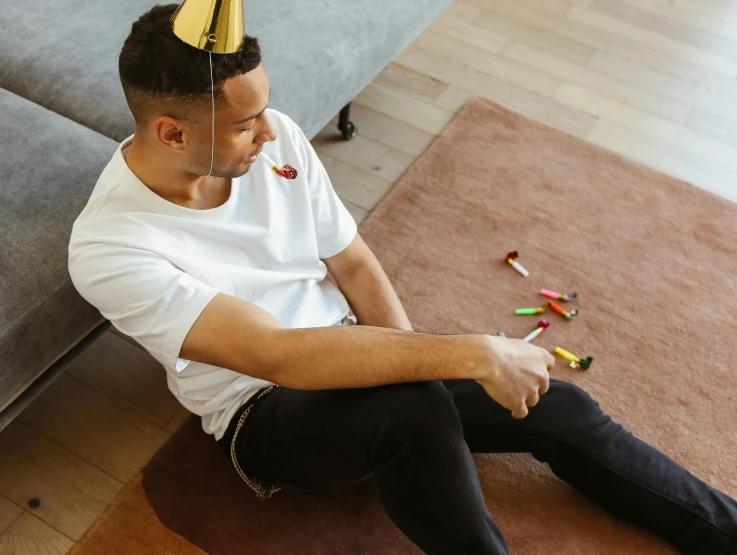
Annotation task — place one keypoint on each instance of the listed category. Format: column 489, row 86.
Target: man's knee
column 577, row 399
column 577, row 411
column 419, row 402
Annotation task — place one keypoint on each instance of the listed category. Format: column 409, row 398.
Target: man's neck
column 178, row 187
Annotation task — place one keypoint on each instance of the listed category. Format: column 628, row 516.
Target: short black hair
column 162, row 74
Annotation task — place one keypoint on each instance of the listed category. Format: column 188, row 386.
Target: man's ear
column 172, row 133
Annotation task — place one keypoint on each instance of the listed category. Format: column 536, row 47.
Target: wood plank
column 670, row 28
column 461, row 9
column 713, row 125
column 359, row 187
column 503, row 20
column 389, row 131
column 556, row 44
column 127, row 373
column 130, row 526
column 411, row 82
column 666, row 158
column 363, row 154
column 454, row 98
column 599, row 40
column 638, row 120
column 521, row 25
column 176, row 422
column 465, row 31
column 555, row 6
column 9, row 511
column 118, row 333
column 423, row 87
column 601, row 82
column 516, row 98
column 29, row 535
column 719, row 100
column 718, row 18
column 94, row 427
column 359, row 214
column 503, row 68
column 656, row 41
column 709, row 82
column 72, row 492
column 404, row 107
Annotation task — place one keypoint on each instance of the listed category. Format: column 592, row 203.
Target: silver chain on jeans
column 263, row 491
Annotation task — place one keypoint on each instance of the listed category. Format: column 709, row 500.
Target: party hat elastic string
column 212, row 96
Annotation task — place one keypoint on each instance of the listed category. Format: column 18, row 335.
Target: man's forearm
column 364, row 356
column 382, row 350
column 373, row 299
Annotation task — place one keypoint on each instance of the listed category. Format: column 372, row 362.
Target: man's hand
column 514, row 373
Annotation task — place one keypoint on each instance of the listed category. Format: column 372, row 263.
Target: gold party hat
column 215, row 26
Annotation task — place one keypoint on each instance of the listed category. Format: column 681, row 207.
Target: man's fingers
column 544, row 388
column 532, row 401
column 549, row 361
column 520, row 412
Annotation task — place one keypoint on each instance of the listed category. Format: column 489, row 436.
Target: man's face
column 241, row 127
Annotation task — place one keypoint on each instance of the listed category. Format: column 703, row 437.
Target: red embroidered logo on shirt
column 287, row 171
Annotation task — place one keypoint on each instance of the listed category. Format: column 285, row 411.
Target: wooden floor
column 655, row 80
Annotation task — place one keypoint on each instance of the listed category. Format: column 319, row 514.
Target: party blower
column 563, row 312
column 512, row 259
column 559, row 296
column 584, row 363
column 530, row 311
column 542, row 325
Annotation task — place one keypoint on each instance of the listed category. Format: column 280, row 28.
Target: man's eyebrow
column 254, row 116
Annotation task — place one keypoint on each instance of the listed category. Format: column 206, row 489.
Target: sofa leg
column 345, row 126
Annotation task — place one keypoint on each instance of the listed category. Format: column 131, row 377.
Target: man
column 217, row 267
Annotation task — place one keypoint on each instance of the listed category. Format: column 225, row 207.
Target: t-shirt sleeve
column 143, row 295
column 334, row 225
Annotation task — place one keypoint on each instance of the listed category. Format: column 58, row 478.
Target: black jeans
column 416, row 439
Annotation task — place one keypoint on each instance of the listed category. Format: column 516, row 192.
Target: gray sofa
column 62, row 113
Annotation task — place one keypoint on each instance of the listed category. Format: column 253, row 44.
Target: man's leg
column 584, row 447
column 408, row 436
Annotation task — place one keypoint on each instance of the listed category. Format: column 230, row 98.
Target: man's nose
column 269, row 134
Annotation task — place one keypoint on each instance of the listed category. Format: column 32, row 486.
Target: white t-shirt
column 151, row 266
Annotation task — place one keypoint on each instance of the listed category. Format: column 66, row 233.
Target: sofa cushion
column 319, row 53
column 47, row 171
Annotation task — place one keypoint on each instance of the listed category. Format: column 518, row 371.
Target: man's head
column 167, row 86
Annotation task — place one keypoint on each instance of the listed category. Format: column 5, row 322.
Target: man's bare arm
column 232, row 333
column 364, row 283
column 364, row 356
column 235, row 334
